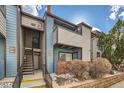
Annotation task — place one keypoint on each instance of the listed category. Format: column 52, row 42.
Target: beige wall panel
column 86, row 54
column 70, row 38
column 31, row 22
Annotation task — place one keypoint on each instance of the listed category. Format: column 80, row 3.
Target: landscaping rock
column 64, row 79
column 6, row 84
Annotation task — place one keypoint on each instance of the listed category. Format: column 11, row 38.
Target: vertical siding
column 1, row 57
column 49, row 45
column 11, row 58
column 2, row 24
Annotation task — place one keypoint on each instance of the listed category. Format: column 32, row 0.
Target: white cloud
column 30, row 9
column 39, row 7
column 115, row 12
column 113, row 16
column 78, row 18
column 115, row 8
column 121, row 14
column 94, row 28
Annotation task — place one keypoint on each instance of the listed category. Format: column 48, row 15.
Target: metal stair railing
column 48, row 78
column 33, row 54
column 18, row 79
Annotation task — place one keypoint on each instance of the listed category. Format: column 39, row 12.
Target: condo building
column 32, row 43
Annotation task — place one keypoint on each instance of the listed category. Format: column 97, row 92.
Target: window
column 98, row 54
column 65, row 56
column 36, row 39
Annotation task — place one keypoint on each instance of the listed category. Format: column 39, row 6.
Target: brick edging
column 102, row 83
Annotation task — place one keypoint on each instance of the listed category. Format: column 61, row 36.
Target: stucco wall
column 95, row 48
column 32, row 22
column 67, row 37
column 86, row 51
column 11, row 41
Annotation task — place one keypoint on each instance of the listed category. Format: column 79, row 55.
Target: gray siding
column 49, row 45
column 11, row 58
column 1, row 57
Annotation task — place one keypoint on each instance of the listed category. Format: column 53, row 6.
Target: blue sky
column 102, row 17
column 96, row 15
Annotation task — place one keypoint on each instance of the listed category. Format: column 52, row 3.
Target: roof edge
column 30, row 15
column 61, row 19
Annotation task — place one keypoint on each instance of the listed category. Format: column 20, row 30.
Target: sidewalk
column 118, row 85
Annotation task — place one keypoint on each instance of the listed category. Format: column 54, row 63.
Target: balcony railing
column 18, row 79
column 48, row 78
column 65, row 36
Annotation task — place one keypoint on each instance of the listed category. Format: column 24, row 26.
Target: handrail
column 18, row 79
column 33, row 54
column 48, row 78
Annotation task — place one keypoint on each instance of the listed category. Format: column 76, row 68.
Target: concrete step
column 28, row 67
column 27, row 62
column 33, row 83
column 27, row 73
column 27, row 70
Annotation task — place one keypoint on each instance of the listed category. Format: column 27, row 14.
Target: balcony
column 65, row 36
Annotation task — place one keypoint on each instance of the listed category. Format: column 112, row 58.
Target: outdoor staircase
column 28, row 66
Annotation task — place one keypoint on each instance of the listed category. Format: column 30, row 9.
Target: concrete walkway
column 118, row 85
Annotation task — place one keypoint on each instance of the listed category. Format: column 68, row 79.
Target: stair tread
column 27, row 70
column 26, row 73
column 33, row 83
column 27, row 62
column 27, row 67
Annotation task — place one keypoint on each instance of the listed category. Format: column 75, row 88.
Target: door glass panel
column 68, row 57
column 65, row 56
column 62, row 56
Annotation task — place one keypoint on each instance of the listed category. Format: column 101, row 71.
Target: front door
column 36, row 61
column 2, row 57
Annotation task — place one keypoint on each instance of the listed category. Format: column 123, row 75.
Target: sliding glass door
column 65, row 56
